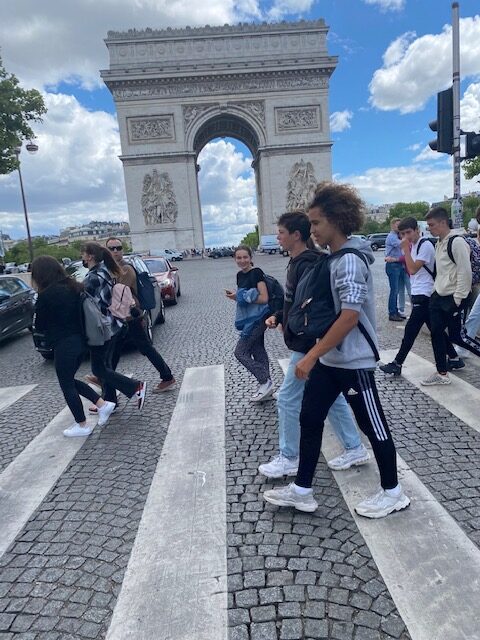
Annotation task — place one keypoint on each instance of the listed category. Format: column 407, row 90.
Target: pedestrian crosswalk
column 175, row 583
column 9, row 395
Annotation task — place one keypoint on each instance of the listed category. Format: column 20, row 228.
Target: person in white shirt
column 420, row 262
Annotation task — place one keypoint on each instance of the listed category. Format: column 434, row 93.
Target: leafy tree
column 471, row 168
column 470, row 204
column 19, row 252
column 417, row 210
column 373, row 226
column 18, row 107
column 252, row 239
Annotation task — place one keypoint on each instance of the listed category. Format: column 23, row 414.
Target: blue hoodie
column 352, row 288
column 248, row 313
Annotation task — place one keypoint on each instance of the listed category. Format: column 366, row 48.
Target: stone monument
column 175, row 90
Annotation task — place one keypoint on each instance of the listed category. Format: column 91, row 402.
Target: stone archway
column 177, row 89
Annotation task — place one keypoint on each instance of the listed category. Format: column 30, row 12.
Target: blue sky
column 394, row 55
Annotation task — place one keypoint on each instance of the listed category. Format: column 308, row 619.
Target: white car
column 171, row 254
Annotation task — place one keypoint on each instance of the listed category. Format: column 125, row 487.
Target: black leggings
column 68, row 354
column 358, row 386
column 100, row 359
column 251, row 352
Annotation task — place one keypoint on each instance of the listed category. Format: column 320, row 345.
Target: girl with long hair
column 252, row 310
column 57, row 314
column 99, row 283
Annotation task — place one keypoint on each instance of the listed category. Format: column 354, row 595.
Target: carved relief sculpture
column 297, row 118
column 159, row 205
column 301, row 186
column 153, row 128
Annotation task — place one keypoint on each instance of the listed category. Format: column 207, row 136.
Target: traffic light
column 472, row 145
column 443, row 125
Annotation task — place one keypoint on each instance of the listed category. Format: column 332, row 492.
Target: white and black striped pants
column 323, row 386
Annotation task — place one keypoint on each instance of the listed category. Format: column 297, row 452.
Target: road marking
column 430, row 566
column 9, row 395
column 460, row 398
column 175, row 587
column 27, row 479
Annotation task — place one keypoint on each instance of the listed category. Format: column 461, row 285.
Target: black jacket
column 295, row 270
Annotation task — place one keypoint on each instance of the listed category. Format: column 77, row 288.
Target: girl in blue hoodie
column 252, row 310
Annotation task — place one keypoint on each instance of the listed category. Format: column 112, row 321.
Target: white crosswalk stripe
column 9, row 395
column 422, row 553
column 176, row 580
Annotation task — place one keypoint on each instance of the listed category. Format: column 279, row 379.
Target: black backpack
column 276, row 293
column 313, row 310
column 433, row 273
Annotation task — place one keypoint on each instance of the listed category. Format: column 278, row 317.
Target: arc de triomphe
column 177, row 89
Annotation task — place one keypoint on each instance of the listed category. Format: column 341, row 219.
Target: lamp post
column 31, row 147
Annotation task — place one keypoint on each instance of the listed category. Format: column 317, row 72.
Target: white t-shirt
column 422, row 281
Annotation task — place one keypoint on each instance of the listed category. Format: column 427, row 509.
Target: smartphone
column 228, row 292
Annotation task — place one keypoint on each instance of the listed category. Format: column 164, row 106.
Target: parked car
column 171, row 254
column 11, row 267
column 269, row 244
column 377, row 240
column 220, row 252
column 17, row 303
column 167, row 277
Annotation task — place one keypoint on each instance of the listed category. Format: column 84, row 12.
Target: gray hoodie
column 352, row 288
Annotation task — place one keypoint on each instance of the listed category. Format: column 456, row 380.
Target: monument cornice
column 132, row 88
column 242, row 29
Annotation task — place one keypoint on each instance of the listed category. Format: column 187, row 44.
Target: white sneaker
column 105, row 412
column 76, row 430
column 279, row 466
column 381, row 504
column 350, row 458
column 436, row 378
column 288, row 497
column 264, row 391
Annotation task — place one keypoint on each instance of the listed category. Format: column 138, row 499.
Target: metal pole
column 29, row 237
column 457, row 206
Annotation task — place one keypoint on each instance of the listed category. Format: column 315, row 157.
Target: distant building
column 379, row 213
column 94, row 230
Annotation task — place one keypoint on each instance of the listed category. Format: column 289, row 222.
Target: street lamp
column 32, row 148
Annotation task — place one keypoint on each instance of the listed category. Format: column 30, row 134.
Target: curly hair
column 341, row 205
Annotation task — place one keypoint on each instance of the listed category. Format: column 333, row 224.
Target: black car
column 377, row 240
column 17, row 302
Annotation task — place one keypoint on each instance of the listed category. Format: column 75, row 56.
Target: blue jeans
column 404, row 286
column 289, row 404
column 472, row 325
column 394, row 273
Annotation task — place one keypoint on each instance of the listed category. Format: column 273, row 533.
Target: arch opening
column 227, row 126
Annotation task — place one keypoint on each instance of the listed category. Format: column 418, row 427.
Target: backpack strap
column 432, row 274
column 449, row 247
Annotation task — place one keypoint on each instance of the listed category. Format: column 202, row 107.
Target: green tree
column 417, row 210
column 252, row 239
column 470, row 204
column 18, row 108
column 471, row 168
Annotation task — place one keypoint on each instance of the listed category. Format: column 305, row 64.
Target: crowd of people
column 328, row 324
column 59, row 313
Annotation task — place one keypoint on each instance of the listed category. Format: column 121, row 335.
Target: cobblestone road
column 290, row 575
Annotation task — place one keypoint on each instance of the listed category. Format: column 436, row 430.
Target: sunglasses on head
column 117, row 247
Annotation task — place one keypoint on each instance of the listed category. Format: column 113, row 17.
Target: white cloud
column 387, row 5
column 427, row 155
column 227, row 192
column 414, row 147
column 415, row 69
column 406, row 184
column 47, row 42
column 470, row 108
column 340, row 120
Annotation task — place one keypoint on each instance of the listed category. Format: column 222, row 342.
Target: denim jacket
column 248, row 313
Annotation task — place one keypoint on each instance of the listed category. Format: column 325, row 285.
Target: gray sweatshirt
column 352, row 288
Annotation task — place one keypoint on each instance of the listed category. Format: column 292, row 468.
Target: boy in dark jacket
column 293, row 236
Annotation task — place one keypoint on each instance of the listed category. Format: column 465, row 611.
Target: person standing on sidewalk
column 293, row 235
column 420, row 261
column 252, row 310
column 395, row 270
column 135, row 331
column 57, row 314
column 453, row 283
column 344, row 357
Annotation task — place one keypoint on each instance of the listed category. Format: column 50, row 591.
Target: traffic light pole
column 457, row 206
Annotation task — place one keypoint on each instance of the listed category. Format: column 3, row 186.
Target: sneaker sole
column 155, row 390
column 435, row 384
column 266, row 396
column 293, row 472
column 141, row 401
column 284, row 503
column 357, row 463
column 382, row 514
